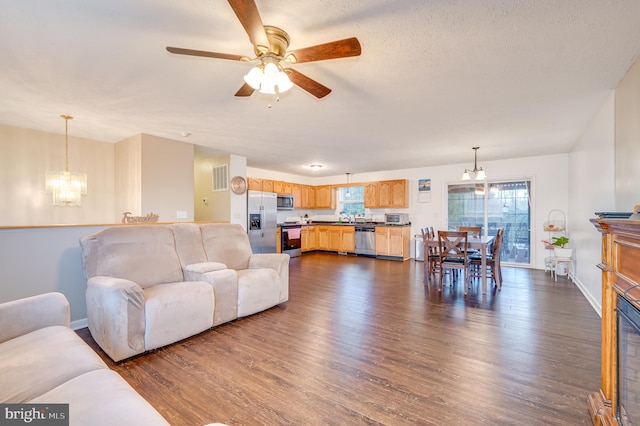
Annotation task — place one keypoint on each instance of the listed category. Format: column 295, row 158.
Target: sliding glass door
column 494, row 205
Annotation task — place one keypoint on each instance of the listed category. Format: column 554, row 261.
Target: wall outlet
column 181, row 214
column 205, row 201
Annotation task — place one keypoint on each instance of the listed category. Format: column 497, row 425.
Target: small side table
column 560, row 261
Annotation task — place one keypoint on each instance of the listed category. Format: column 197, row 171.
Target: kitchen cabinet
column 278, row 240
column 282, row 187
column 342, row 238
column 393, row 193
column 324, row 199
column 371, row 195
column 254, row 184
column 322, row 237
column 393, row 241
column 296, row 191
column 308, row 237
column 267, row 185
column 308, row 197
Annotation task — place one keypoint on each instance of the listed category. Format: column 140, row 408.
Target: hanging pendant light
column 478, row 173
column 66, row 187
column 348, row 193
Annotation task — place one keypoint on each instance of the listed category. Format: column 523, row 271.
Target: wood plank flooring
column 364, row 342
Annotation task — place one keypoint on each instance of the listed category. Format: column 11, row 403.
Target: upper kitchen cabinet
column 282, row 187
column 371, row 195
column 267, row 185
column 254, row 184
column 324, row 199
column 308, row 197
column 393, row 193
column 296, row 191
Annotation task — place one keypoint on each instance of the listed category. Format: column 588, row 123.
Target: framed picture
column 424, row 190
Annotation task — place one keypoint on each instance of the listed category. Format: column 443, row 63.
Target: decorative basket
column 554, row 226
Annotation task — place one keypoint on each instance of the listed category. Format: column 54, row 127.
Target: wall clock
column 238, row 185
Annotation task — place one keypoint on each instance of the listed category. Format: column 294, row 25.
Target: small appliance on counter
column 396, row 219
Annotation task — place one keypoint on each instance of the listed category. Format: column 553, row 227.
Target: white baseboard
column 78, row 324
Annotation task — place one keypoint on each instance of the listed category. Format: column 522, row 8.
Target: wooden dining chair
column 431, row 253
column 454, row 246
column 474, row 231
column 494, row 270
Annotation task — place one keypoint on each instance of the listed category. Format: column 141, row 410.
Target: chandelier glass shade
column 67, row 188
column 478, row 173
column 268, row 78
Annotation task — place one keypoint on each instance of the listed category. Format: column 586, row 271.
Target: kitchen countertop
column 341, row 224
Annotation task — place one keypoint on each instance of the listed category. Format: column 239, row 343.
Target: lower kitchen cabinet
column 336, row 238
column 308, row 238
column 393, row 241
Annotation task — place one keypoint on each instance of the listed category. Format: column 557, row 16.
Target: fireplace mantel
column 620, row 268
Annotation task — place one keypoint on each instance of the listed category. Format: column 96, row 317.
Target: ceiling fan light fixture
column 254, row 77
column 284, row 83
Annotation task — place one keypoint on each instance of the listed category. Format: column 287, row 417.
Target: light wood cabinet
column 322, row 237
column 296, row 191
column 324, row 199
column 267, row 185
column 254, row 184
column 278, row 240
column 393, row 241
column 308, row 197
column 393, row 193
column 342, row 238
column 282, row 187
column 308, row 238
column 371, row 195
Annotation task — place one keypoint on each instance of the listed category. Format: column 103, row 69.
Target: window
column 494, row 205
column 351, row 200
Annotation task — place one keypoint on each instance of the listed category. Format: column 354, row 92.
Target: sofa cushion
column 102, row 397
column 36, row 362
column 144, row 254
column 226, row 243
column 188, row 243
column 176, row 311
column 258, row 289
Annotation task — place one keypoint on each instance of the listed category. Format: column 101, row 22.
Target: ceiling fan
column 270, row 46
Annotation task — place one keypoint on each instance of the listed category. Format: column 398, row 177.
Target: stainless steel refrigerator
column 262, row 215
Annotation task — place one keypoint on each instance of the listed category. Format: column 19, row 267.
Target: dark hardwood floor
column 363, row 341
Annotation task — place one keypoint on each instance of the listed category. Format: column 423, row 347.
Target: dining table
column 482, row 244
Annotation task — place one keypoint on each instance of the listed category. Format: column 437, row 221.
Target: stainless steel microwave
column 396, row 219
column 285, row 202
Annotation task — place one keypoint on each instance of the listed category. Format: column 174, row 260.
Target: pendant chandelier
column 478, row 173
column 66, row 187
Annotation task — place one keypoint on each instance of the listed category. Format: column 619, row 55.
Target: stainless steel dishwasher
column 366, row 240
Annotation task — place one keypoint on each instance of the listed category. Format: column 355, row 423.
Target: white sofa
column 43, row 361
column 152, row 285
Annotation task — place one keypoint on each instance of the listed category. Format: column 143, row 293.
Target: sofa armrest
column 23, row 316
column 116, row 316
column 277, row 261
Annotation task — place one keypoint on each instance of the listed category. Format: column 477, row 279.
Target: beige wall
column 217, row 208
column 128, row 177
column 25, row 158
column 628, row 140
column 167, row 178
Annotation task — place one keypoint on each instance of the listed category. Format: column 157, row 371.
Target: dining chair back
column 474, row 231
column 431, row 253
column 454, row 246
column 494, row 270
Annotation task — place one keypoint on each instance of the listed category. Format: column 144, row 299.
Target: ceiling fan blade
column 333, row 50
column 308, row 84
column 249, row 17
column 245, row 90
column 191, row 52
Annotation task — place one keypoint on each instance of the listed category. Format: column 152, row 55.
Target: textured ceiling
column 517, row 78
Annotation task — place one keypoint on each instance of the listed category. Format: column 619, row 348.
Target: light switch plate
column 181, row 214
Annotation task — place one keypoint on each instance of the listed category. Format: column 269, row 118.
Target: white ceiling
column 435, row 78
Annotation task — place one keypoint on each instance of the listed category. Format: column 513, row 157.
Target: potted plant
column 559, row 248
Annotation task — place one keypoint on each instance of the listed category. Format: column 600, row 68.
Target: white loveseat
column 43, row 361
column 152, row 285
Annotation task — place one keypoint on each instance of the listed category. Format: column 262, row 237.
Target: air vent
column 220, row 178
